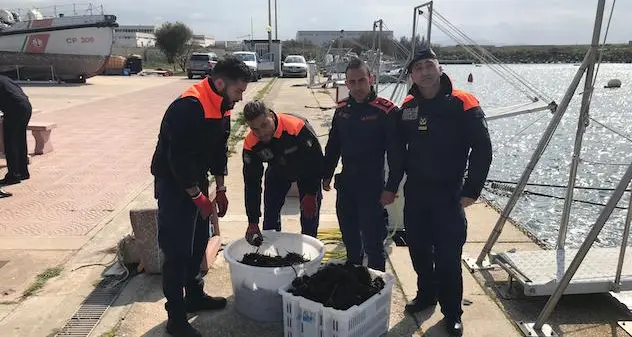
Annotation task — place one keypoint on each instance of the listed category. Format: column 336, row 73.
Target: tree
column 183, row 58
column 173, row 39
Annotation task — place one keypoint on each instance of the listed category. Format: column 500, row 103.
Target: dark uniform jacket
column 13, row 100
column 444, row 135
column 361, row 133
column 294, row 153
column 193, row 137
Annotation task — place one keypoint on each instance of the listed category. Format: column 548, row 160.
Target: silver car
column 201, row 64
column 294, row 66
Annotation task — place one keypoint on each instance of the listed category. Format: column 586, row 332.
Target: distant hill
column 612, row 53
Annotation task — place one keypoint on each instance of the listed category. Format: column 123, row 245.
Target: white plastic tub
column 306, row 318
column 256, row 289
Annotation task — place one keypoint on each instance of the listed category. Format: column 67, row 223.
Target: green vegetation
column 174, row 40
column 41, row 280
column 611, row 53
column 111, row 333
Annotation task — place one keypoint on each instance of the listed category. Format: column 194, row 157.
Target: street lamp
column 269, row 27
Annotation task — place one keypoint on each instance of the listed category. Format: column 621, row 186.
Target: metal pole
column 276, row 22
column 252, row 32
column 342, row 36
column 624, row 245
column 583, row 250
column 269, row 26
column 412, row 41
column 429, row 21
column 412, row 47
column 581, row 128
column 544, row 141
column 379, row 56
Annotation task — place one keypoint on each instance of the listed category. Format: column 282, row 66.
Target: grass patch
column 54, row 332
column 111, row 333
column 261, row 93
column 40, row 281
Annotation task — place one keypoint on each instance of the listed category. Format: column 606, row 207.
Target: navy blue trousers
column 436, row 230
column 361, row 220
column 276, row 186
column 182, row 236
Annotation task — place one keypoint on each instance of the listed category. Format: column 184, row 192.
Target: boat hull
column 44, row 67
column 54, row 50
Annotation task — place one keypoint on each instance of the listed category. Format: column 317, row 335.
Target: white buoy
column 613, row 83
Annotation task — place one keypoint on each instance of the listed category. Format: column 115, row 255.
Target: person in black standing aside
column 17, row 110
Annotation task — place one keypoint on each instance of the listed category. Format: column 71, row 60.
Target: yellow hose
column 334, row 248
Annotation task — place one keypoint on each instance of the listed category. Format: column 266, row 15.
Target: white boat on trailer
column 59, row 47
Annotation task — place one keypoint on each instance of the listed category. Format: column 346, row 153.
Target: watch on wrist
column 220, row 189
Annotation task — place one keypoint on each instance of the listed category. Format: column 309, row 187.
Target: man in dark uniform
column 363, row 130
column 193, row 140
column 444, row 130
column 17, row 110
column 289, row 145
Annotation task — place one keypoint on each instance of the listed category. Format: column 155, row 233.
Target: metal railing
column 22, row 73
column 55, row 10
column 587, row 67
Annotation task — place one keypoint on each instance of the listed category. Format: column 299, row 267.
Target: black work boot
column 204, row 302
column 10, row 179
column 179, row 328
column 419, row 304
column 454, row 326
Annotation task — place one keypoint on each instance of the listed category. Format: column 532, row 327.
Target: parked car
column 294, row 65
column 201, row 64
column 252, row 61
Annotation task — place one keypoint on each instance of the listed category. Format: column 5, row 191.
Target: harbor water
column 604, row 157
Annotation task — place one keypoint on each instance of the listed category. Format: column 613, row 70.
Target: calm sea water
column 605, row 155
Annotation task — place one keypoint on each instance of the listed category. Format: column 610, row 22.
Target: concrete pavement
column 146, row 317
column 127, row 120
column 106, row 135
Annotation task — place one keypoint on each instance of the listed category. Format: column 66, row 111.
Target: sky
column 497, row 22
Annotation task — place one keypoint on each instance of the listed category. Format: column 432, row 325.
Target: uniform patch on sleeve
column 291, row 150
column 383, row 104
column 266, row 154
column 410, row 114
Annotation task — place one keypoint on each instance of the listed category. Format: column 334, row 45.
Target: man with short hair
column 290, row 146
column 363, row 130
column 193, row 140
column 444, row 131
column 17, row 110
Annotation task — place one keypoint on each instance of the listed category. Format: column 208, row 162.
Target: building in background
column 320, row 37
column 142, row 36
column 204, row 41
column 135, row 36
